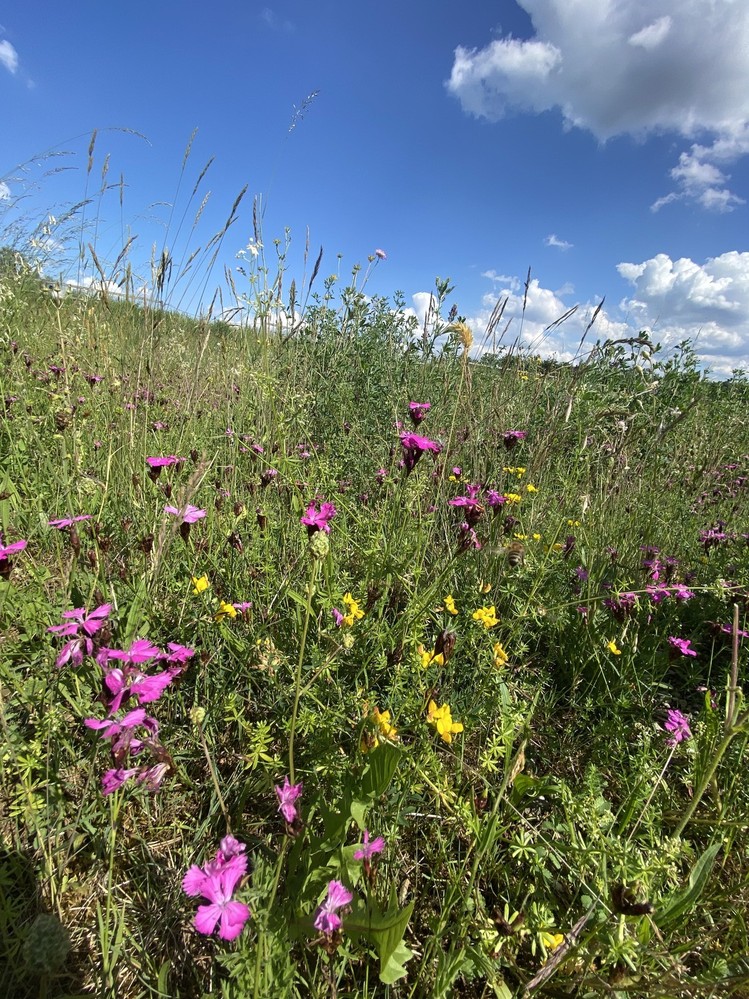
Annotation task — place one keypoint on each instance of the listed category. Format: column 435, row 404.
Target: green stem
column 706, row 778
column 300, row 661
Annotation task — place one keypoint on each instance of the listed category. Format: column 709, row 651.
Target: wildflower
column 225, row 610
column 511, row 438
column 326, row 919
column 500, row 656
column 495, row 499
column 369, row 849
column 530, row 488
column 611, row 646
column 551, row 940
column 467, row 537
column 486, row 616
column 513, row 498
column 442, row 720
column 80, row 626
column 337, row 616
column 427, row 657
column 450, row 605
column 418, row 411
column 140, row 651
column 414, row 446
column 381, row 255
column 155, row 464
column 380, row 475
column 353, row 610
column 484, row 587
column 683, row 645
column 218, row 888
column 177, row 653
column 318, row 520
column 64, row 522
column 187, row 515
column 678, row 725
column 287, row 795
column 6, row 550
column 200, row 584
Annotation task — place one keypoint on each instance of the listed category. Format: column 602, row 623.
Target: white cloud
column 274, row 21
column 631, row 67
column 554, row 240
column 543, row 308
column 424, row 304
column 4, row 191
column 8, row 56
column 706, row 303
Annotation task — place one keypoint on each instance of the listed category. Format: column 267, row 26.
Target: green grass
column 557, row 845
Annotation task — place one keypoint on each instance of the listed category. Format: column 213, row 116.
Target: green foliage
column 555, row 836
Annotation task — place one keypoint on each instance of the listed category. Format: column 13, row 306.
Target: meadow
column 338, row 661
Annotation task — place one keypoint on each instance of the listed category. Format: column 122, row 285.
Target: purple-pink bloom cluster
column 418, row 411
column 5, row 551
column 414, row 446
column 79, row 628
column 682, row 645
column 64, row 522
column 216, row 881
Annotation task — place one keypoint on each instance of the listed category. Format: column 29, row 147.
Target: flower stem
column 300, row 660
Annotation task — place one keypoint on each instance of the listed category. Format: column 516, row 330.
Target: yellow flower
column 442, row 720
column 379, row 727
column 450, row 605
column 199, row 583
column 224, row 610
column 611, row 646
column 551, row 940
column 484, row 587
column 530, row 488
column 518, row 470
column 354, row 610
column 500, row 656
column 536, row 537
column 427, row 657
column 513, row 497
column 521, row 537
column 486, row 615
column 558, row 546
column 523, row 378
column 573, row 523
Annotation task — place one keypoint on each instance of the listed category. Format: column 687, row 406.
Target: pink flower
column 326, row 919
column 230, row 915
column 6, row 550
column 80, row 626
column 170, row 459
column 512, row 438
column 68, row 521
column 678, row 725
column 418, row 410
column 318, row 520
column 368, row 849
column 140, row 651
column 683, row 645
column 414, row 446
column 187, row 515
column 287, row 795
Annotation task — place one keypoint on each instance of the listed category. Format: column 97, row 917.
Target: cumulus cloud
column 8, row 56
column 553, row 240
column 634, row 67
column 706, row 303
column 540, row 320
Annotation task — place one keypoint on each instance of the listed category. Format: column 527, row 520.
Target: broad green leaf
column 680, row 903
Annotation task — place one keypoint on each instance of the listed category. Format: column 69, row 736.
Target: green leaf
column 384, row 930
column 383, row 762
column 668, row 917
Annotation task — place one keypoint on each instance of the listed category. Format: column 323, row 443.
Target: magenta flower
column 318, row 520
column 287, row 795
column 140, row 651
column 512, row 438
column 128, row 682
column 495, row 499
column 678, row 725
column 79, row 627
column 326, row 920
column 231, row 916
column 337, row 617
column 369, row 849
column 6, row 550
column 178, row 653
column 414, row 446
column 684, row 646
column 64, row 522
column 231, row 851
column 165, row 462
column 187, row 515
column 418, row 411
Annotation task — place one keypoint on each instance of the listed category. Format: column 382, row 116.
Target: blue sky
column 602, row 143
